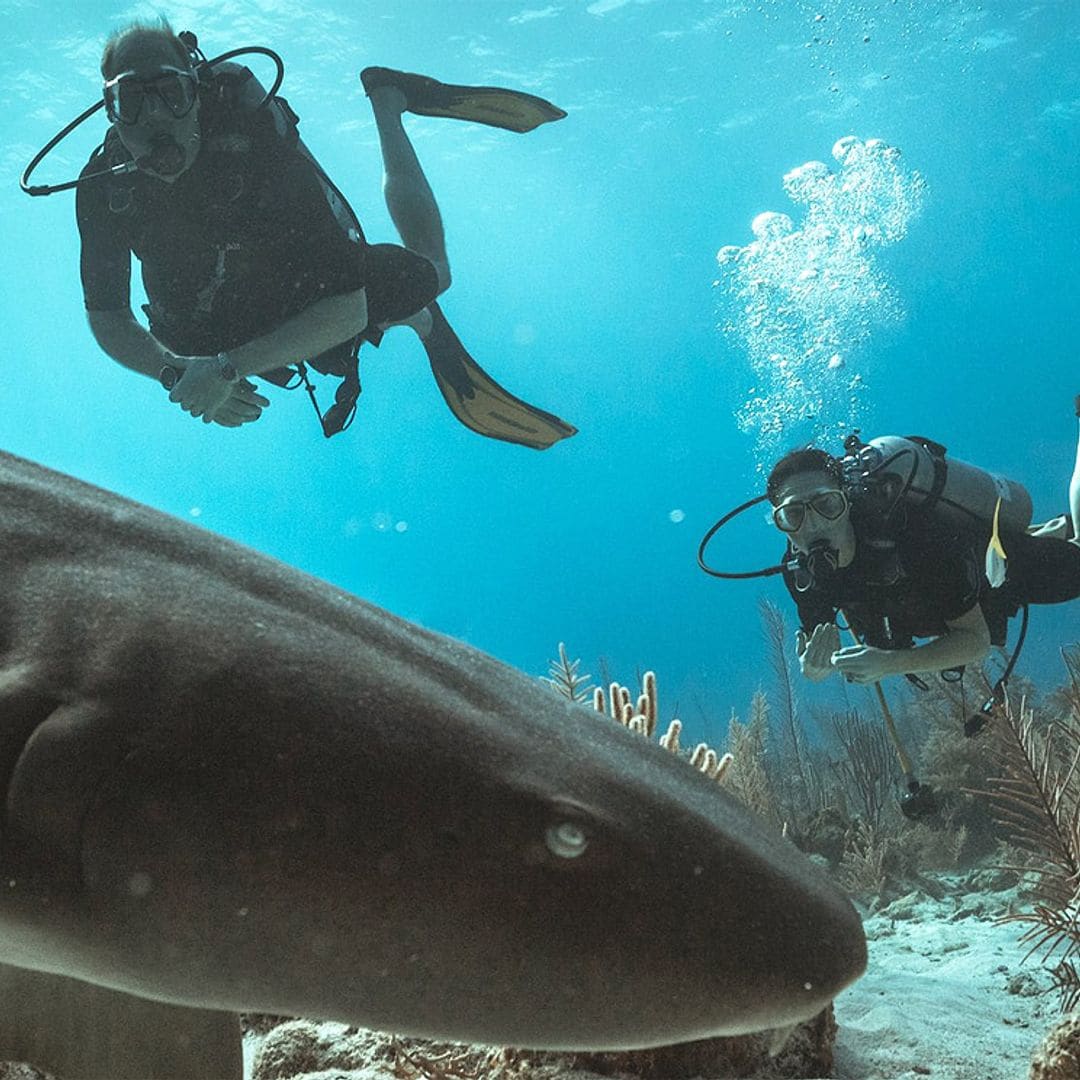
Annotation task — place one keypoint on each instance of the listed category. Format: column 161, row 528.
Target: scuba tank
column 912, row 469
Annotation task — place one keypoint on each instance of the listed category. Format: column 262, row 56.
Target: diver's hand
column 243, row 407
column 816, row 654
column 203, row 387
column 864, row 663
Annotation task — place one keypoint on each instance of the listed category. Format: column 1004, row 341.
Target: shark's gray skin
column 234, row 787
column 78, row 1031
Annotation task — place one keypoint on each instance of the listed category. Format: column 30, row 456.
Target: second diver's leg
column 1074, row 484
column 408, row 195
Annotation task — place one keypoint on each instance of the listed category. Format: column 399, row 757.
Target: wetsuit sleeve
column 105, row 258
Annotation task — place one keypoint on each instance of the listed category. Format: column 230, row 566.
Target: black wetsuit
column 239, row 243
column 921, row 576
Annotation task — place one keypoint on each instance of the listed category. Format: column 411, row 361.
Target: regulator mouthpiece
column 166, row 157
column 822, row 561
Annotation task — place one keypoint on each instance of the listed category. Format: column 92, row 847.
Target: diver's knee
column 420, row 322
column 442, row 272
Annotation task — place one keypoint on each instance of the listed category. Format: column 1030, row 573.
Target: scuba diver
column 252, row 261
column 908, row 545
column 923, row 557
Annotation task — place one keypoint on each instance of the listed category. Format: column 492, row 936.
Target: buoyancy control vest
column 235, row 102
column 891, row 475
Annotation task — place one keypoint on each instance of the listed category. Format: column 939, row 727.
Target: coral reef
column 18, row 1070
column 1058, row 1058
column 301, row 1050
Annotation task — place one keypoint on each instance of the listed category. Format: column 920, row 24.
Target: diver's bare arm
column 128, row 342
column 325, row 323
column 966, row 642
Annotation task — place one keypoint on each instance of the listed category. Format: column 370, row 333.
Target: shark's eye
column 566, row 840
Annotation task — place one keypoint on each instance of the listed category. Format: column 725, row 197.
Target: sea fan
column 1036, row 801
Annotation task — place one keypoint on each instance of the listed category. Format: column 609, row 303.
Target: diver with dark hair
column 252, row 261
column 926, row 557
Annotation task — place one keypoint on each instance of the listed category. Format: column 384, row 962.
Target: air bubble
column 771, row 226
column 843, row 147
column 803, row 298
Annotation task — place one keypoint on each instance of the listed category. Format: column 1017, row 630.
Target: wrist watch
column 226, row 368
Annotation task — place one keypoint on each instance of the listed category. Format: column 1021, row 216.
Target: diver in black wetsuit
column 245, row 261
column 910, row 575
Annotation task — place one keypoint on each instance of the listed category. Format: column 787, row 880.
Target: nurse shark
column 229, row 786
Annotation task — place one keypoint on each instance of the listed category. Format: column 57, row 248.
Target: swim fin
column 512, row 110
column 479, row 402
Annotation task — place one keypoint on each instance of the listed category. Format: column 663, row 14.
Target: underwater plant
column 866, row 767
column 563, row 677
column 1066, row 699
column 751, row 783
column 1036, row 802
column 777, row 642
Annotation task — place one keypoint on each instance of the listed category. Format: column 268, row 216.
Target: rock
column 808, row 1052
column 301, row 1050
column 905, row 908
column 1024, row 984
column 1058, row 1058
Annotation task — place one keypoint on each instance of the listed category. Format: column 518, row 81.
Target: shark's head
column 236, row 787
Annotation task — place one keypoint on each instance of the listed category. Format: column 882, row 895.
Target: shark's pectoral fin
column 82, row 1032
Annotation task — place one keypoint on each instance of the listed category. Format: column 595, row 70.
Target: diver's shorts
column 399, row 283
column 1041, row 570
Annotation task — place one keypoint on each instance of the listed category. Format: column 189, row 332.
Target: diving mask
column 125, row 94
column 789, row 516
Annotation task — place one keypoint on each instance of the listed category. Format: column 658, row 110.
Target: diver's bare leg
column 1074, row 485
column 408, row 195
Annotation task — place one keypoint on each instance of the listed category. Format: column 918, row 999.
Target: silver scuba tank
column 957, row 493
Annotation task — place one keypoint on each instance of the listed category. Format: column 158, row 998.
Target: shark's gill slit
column 21, row 719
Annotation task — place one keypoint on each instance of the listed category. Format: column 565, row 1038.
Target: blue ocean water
column 585, row 268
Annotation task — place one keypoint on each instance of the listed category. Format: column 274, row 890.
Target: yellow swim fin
column 512, row 110
column 478, row 401
column 996, row 559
